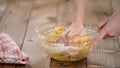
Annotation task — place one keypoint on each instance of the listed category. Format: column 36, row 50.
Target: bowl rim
column 94, row 31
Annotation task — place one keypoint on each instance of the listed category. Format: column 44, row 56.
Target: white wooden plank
column 39, row 59
column 3, row 5
column 14, row 22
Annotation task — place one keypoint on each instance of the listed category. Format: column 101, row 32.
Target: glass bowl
column 59, row 50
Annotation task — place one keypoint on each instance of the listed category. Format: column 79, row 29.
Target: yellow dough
column 50, row 39
column 59, row 30
column 79, row 39
column 56, row 32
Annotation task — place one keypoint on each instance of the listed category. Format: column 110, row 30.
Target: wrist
column 79, row 22
column 79, row 26
column 79, row 19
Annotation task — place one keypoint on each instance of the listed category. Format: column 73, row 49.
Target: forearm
column 79, row 11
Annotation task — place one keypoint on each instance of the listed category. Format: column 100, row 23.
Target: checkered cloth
column 10, row 52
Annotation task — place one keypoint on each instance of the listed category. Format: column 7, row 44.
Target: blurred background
column 19, row 19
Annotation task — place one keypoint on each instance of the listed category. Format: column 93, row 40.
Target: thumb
column 98, row 39
column 101, row 24
column 72, row 34
column 75, row 31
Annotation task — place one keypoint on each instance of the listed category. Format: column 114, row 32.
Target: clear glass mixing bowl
column 58, row 50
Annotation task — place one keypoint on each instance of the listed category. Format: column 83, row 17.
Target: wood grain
column 117, row 45
column 65, row 64
column 103, row 55
column 1, row 65
column 14, row 22
column 9, row 66
column 23, row 66
column 40, row 15
column 3, row 5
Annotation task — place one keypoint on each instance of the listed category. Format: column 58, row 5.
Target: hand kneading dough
column 52, row 37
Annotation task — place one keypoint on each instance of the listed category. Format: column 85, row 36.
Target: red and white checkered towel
column 10, row 52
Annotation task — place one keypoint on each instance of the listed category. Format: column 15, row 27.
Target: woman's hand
column 72, row 31
column 109, row 28
column 76, row 26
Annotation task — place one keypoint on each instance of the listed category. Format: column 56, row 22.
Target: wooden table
column 19, row 18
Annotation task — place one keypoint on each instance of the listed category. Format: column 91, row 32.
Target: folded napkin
column 10, row 52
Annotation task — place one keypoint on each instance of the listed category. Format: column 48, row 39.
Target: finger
column 73, row 33
column 101, row 24
column 98, row 39
column 101, row 35
column 107, row 36
column 64, row 34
